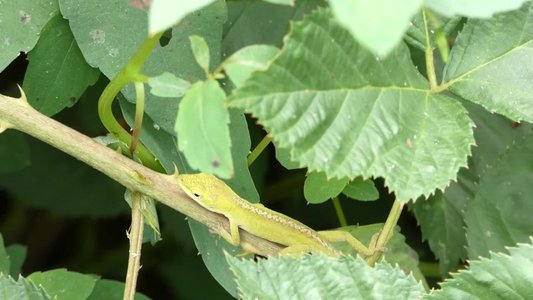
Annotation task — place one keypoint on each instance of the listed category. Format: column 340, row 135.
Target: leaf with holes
column 341, row 111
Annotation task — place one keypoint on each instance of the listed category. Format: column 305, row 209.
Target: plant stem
column 339, row 211
column 430, row 64
column 134, row 258
column 139, row 113
column 130, row 73
column 258, row 149
column 386, row 233
column 18, row 114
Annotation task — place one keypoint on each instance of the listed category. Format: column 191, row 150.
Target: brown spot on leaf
column 215, row 163
column 409, row 143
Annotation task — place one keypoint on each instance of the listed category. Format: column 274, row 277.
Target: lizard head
column 207, row 190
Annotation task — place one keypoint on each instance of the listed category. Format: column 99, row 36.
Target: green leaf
column 111, row 289
column 490, row 64
column 168, row 85
column 363, row 190
column 22, row 22
column 5, row 263
column 318, row 188
column 201, row 52
column 500, row 277
column 321, row 277
column 212, row 247
column 441, row 218
column 341, row 111
column 21, row 289
column 63, row 284
column 202, row 129
column 57, row 74
column 14, row 151
column 472, row 8
column 17, row 255
column 283, row 155
column 499, row 214
column 244, row 62
column 165, row 13
column 107, row 40
column 378, row 25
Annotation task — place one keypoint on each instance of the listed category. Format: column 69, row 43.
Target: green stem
column 430, row 65
column 130, row 73
column 386, row 232
column 339, row 211
column 259, row 149
column 139, row 113
column 135, row 236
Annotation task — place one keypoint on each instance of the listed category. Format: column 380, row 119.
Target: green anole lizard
column 214, row 195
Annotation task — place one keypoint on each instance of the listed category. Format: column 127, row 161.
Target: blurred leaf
column 14, row 151
column 472, row 8
column 21, row 289
column 168, row 85
column 111, row 289
column 165, row 13
column 22, row 22
column 202, row 129
column 416, row 34
column 321, row 277
column 281, row 2
column 63, row 284
column 65, row 186
column 57, row 74
column 318, row 188
column 499, row 214
column 378, row 25
column 500, row 277
column 441, row 218
column 17, row 255
column 496, row 75
column 244, row 62
column 201, row 51
column 363, row 190
column 247, row 18
column 342, row 112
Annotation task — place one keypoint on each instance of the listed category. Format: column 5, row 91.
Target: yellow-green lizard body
column 214, row 195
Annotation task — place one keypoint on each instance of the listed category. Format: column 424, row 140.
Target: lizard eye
column 196, row 196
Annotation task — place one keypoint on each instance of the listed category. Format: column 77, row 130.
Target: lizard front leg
column 233, row 237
